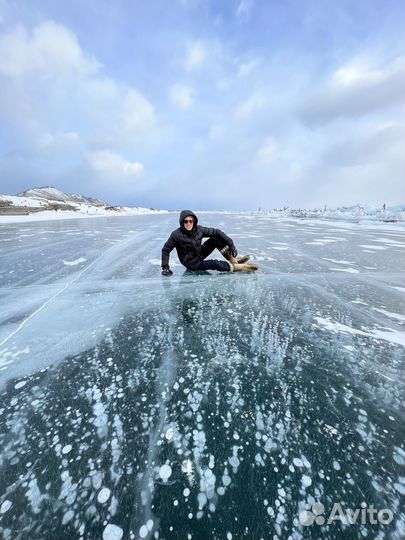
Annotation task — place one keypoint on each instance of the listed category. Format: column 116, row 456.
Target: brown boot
column 234, row 260
column 241, row 260
column 243, row 267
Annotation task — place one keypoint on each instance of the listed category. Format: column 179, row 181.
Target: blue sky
column 207, row 104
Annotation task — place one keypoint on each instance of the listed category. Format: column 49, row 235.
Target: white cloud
column 268, row 150
column 247, row 68
column 243, row 9
column 361, row 71
column 245, row 109
column 50, row 51
column 216, row 132
column 362, row 184
column 355, row 90
column 48, row 140
column 190, row 3
column 196, row 55
column 113, row 166
column 119, row 114
column 366, row 144
column 45, row 75
column 181, row 95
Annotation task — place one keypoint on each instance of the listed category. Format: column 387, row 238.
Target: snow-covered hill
column 51, row 203
column 53, row 194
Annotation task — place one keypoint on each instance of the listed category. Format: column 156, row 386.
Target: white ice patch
column 397, row 316
column 7, row 357
column 325, row 240
column 158, row 262
column 366, row 246
column 350, row 270
column 20, row 384
column 66, row 449
column 336, row 261
column 393, row 336
column 75, row 262
column 389, row 242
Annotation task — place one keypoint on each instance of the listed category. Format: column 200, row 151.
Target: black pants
column 206, row 249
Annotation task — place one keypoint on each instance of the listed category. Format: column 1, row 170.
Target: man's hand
column 167, row 272
column 232, row 250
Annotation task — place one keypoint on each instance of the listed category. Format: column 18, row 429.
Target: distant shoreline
column 52, row 215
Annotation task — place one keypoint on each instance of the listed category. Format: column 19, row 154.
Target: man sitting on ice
column 193, row 253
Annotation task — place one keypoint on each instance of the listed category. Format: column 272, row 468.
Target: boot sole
column 245, row 267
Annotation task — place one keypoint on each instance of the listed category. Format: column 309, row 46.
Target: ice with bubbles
column 204, row 405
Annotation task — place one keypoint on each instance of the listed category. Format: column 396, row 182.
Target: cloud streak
column 355, row 90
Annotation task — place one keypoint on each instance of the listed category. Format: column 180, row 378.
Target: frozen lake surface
column 206, row 405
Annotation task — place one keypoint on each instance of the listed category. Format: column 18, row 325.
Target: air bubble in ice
column 112, row 532
column 306, row 481
column 104, row 495
column 165, row 472
column 5, row 506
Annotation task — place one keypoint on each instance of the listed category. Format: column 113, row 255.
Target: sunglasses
column 188, row 221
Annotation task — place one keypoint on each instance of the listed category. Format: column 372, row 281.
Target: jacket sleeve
column 207, row 231
column 167, row 248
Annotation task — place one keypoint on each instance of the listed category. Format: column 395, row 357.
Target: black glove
column 167, row 272
column 232, row 250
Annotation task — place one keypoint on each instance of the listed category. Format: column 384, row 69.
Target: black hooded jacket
column 188, row 243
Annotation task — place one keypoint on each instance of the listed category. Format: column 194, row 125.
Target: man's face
column 188, row 223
